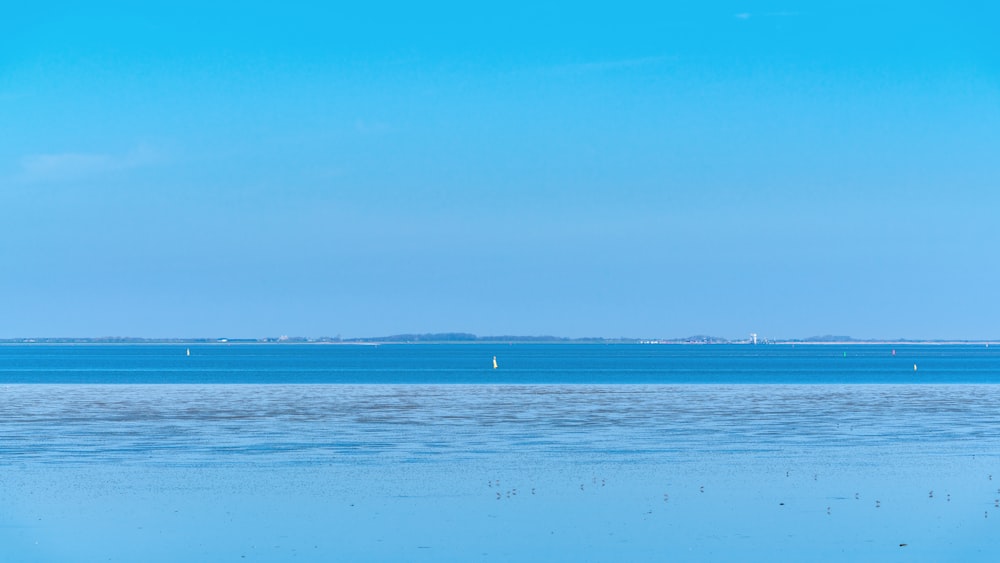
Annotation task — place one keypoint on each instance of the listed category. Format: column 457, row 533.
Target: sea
column 563, row 452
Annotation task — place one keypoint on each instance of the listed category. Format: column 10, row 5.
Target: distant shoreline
column 469, row 339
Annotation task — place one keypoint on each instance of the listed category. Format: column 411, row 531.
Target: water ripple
column 330, row 424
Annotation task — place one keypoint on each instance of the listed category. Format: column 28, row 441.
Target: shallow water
column 431, row 472
column 580, row 471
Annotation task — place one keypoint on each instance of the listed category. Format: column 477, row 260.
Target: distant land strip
column 467, row 338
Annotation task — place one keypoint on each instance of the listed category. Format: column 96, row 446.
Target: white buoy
column 494, row 362
column 188, row 351
column 914, row 367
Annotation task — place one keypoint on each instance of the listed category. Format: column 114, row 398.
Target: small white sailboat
column 494, row 362
column 188, row 351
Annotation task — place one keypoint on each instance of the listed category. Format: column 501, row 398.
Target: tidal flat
column 499, row 472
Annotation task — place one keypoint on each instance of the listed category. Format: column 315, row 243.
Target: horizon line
column 457, row 337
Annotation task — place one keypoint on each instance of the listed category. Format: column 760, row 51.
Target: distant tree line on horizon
column 451, row 337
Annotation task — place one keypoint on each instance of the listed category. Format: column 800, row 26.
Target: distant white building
column 753, row 337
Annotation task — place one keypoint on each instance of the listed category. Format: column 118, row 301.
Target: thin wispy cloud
column 613, row 64
column 67, row 166
column 748, row 15
column 371, row 127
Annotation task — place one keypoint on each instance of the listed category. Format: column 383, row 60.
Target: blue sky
column 620, row 169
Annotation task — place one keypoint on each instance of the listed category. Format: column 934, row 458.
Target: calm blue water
column 520, row 363
column 320, row 453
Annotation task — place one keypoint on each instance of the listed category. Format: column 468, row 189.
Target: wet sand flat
column 534, row 472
